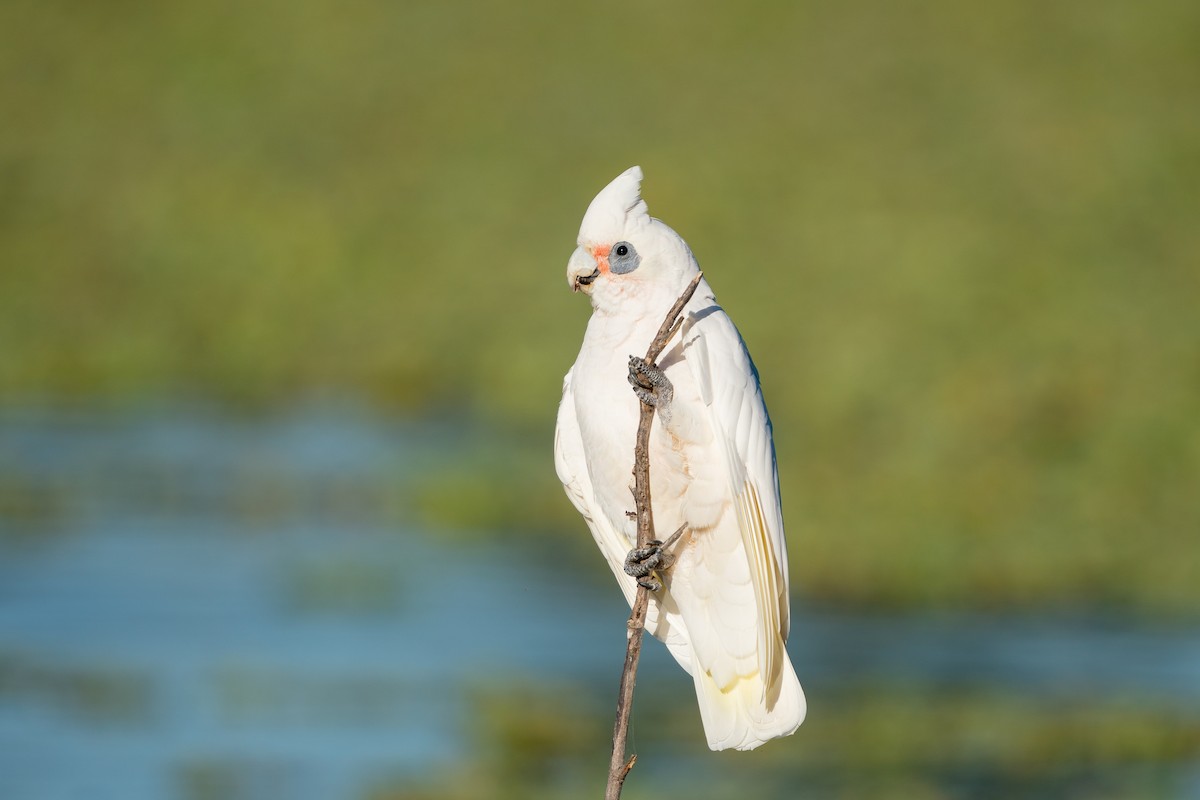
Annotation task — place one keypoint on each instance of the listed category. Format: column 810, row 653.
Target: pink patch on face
column 600, row 253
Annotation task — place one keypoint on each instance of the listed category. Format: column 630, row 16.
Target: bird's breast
column 607, row 411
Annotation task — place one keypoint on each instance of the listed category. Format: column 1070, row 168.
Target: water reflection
column 193, row 606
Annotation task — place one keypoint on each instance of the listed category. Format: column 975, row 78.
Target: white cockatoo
column 721, row 608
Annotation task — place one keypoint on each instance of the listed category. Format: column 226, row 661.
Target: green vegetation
column 961, row 242
column 894, row 741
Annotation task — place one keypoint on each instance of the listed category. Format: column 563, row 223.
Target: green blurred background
column 960, row 240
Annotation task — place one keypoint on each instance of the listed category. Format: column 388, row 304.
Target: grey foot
column 650, row 383
column 641, row 563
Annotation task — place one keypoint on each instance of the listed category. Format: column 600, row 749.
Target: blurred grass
column 874, row 741
column 960, row 241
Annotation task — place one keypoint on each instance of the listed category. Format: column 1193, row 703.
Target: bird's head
column 625, row 255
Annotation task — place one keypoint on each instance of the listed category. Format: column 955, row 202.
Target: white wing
column 729, row 386
column 734, row 593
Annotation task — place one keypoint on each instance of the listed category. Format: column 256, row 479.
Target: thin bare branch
column 674, row 537
column 673, row 320
column 618, row 768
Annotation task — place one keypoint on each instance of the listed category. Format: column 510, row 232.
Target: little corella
column 721, row 607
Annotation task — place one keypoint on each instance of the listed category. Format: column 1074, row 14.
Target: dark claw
column 649, row 383
column 646, row 396
column 642, row 561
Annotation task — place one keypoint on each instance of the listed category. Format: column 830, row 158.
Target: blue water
column 186, row 596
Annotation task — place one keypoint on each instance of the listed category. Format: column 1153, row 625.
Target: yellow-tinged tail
column 743, row 715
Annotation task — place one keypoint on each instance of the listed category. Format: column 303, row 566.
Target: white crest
column 615, row 210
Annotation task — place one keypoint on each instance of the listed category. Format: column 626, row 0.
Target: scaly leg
column 651, row 385
column 642, row 562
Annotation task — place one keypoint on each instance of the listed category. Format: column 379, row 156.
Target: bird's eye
column 623, row 259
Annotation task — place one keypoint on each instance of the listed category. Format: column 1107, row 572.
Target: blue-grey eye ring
column 623, row 258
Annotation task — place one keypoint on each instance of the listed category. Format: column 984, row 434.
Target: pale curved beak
column 581, row 270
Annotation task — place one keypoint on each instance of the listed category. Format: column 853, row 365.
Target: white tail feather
column 738, row 717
